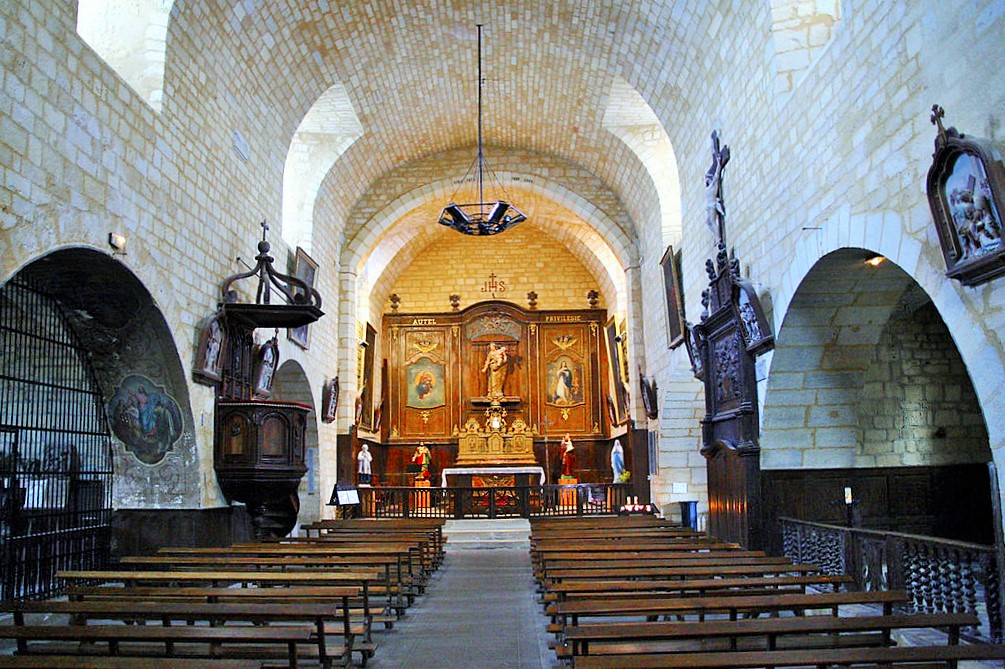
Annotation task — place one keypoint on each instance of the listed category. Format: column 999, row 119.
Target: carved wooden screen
column 731, row 331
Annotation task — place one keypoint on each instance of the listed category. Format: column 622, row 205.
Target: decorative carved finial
column 592, row 297
column 938, row 113
column 944, row 134
column 455, row 301
column 395, row 302
column 532, row 300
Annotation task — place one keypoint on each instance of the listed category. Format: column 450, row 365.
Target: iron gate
column 55, row 447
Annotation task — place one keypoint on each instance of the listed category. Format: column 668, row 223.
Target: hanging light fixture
column 480, row 218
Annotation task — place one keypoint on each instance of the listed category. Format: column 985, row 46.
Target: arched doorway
column 292, row 385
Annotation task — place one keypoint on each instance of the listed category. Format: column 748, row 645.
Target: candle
column 847, row 495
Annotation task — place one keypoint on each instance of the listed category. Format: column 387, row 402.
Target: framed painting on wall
column 620, row 412
column 305, row 269
column 425, row 384
column 366, row 399
column 675, row 307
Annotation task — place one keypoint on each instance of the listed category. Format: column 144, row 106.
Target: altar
column 488, row 471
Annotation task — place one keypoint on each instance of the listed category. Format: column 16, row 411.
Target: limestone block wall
column 83, row 155
column 801, row 28
column 918, row 406
column 522, row 259
column 838, row 162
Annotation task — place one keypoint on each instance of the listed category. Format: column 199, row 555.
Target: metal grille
column 55, row 448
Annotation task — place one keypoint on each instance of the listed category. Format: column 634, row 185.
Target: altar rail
column 940, row 575
column 497, row 502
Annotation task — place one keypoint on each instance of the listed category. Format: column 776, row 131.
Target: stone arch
column 131, row 36
column 604, row 230
column 848, row 234
column 292, row 385
column 404, row 221
column 127, row 338
column 327, row 130
column 630, row 118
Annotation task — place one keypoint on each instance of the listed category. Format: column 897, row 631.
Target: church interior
column 738, row 265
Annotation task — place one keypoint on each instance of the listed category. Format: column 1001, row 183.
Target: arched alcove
column 291, row 385
column 867, row 390
column 93, row 386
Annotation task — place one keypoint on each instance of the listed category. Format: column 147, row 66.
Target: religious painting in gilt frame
column 424, row 379
column 366, row 398
column 965, row 190
column 675, row 307
column 305, row 269
column 564, row 382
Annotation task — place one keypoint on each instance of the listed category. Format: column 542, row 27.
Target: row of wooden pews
column 281, row 603
column 637, row 591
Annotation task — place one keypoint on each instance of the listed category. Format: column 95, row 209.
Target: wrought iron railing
column 495, row 502
column 938, row 574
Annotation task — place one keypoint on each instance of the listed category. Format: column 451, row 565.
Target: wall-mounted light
column 875, row 260
column 117, row 242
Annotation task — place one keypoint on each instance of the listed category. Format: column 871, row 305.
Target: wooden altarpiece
column 732, row 332
column 440, row 389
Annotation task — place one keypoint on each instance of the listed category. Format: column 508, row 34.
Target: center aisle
column 480, row 610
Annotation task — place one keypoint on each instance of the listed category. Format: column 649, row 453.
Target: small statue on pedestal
column 497, row 365
column 364, row 459
column 618, row 462
column 422, row 457
column 568, row 458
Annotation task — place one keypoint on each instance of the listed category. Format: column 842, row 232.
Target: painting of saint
column 565, row 382
column 145, row 419
column 425, row 384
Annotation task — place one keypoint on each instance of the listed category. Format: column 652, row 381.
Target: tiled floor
column 480, row 611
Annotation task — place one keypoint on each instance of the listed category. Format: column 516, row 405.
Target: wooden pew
column 570, row 612
column 125, row 640
column 210, row 613
column 369, row 527
column 262, row 579
column 395, row 565
column 354, row 630
column 671, row 573
column 639, row 638
column 948, row 656
column 111, row 662
column 683, row 560
column 697, row 587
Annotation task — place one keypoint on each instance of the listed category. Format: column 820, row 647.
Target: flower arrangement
column 625, row 477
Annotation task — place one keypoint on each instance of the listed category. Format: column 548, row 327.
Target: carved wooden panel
column 951, row 501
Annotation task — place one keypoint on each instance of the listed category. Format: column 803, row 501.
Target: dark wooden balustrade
column 940, row 575
column 583, row 499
